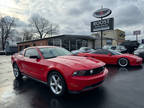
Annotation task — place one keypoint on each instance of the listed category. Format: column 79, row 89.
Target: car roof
column 41, row 47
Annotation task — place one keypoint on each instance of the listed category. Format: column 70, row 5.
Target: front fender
column 65, row 71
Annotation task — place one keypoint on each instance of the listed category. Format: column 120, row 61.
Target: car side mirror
column 109, row 54
column 34, row 57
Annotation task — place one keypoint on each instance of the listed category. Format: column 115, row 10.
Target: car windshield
column 54, row 52
column 85, row 48
column 115, row 52
column 141, row 46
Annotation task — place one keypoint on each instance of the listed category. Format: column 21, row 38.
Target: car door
column 102, row 55
column 32, row 66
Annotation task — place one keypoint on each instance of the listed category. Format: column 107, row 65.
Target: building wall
column 30, row 44
column 117, row 36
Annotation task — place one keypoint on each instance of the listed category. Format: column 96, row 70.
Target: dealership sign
column 101, row 13
column 138, row 32
column 104, row 24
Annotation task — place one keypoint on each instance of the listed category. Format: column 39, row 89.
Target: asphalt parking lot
column 123, row 88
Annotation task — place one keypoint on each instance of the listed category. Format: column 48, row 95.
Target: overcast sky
column 74, row 16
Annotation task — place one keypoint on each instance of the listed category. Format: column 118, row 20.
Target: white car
column 118, row 48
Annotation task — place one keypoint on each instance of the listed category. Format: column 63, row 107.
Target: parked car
column 2, row 53
column 57, row 68
column 140, row 51
column 11, row 50
column 118, row 48
column 83, row 50
column 131, row 46
column 113, row 57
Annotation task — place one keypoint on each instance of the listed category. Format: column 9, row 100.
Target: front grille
column 95, row 71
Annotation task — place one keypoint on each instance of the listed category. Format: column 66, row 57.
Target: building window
column 84, row 43
column 57, row 42
column 50, row 42
column 78, row 44
column 81, row 43
column 109, row 42
column 72, row 44
column 65, row 44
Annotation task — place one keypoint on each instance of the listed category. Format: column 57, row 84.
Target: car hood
column 77, row 62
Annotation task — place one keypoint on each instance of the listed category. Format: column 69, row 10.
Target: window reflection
column 69, row 44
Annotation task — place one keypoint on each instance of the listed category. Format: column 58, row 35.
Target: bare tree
column 27, row 35
column 6, row 24
column 42, row 26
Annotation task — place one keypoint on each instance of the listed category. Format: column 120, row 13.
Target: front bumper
column 84, row 83
column 137, row 62
column 140, row 55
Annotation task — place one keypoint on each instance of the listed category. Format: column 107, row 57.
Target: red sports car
column 57, row 68
column 113, row 57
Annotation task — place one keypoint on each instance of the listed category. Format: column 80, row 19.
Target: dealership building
column 70, row 42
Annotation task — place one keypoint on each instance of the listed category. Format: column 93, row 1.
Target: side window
column 31, row 52
column 97, row 52
column 104, row 52
column 101, row 52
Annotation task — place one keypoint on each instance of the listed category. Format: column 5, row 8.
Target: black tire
column 16, row 71
column 57, row 88
column 123, row 62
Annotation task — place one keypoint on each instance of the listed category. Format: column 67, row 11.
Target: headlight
column 80, row 73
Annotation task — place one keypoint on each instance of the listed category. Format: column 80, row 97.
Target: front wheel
column 123, row 62
column 56, row 83
column 16, row 72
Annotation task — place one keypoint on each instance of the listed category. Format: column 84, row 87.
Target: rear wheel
column 16, row 72
column 123, row 62
column 56, row 83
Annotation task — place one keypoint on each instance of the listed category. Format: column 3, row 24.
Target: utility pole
column 101, row 32
column 51, row 30
column 101, row 37
column 137, row 38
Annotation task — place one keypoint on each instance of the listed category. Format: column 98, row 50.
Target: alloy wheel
column 123, row 62
column 16, row 71
column 56, row 84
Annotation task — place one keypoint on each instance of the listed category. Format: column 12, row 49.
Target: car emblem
column 91, row 71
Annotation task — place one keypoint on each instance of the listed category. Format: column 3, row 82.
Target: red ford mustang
column 113, row 57
column 57, row 68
